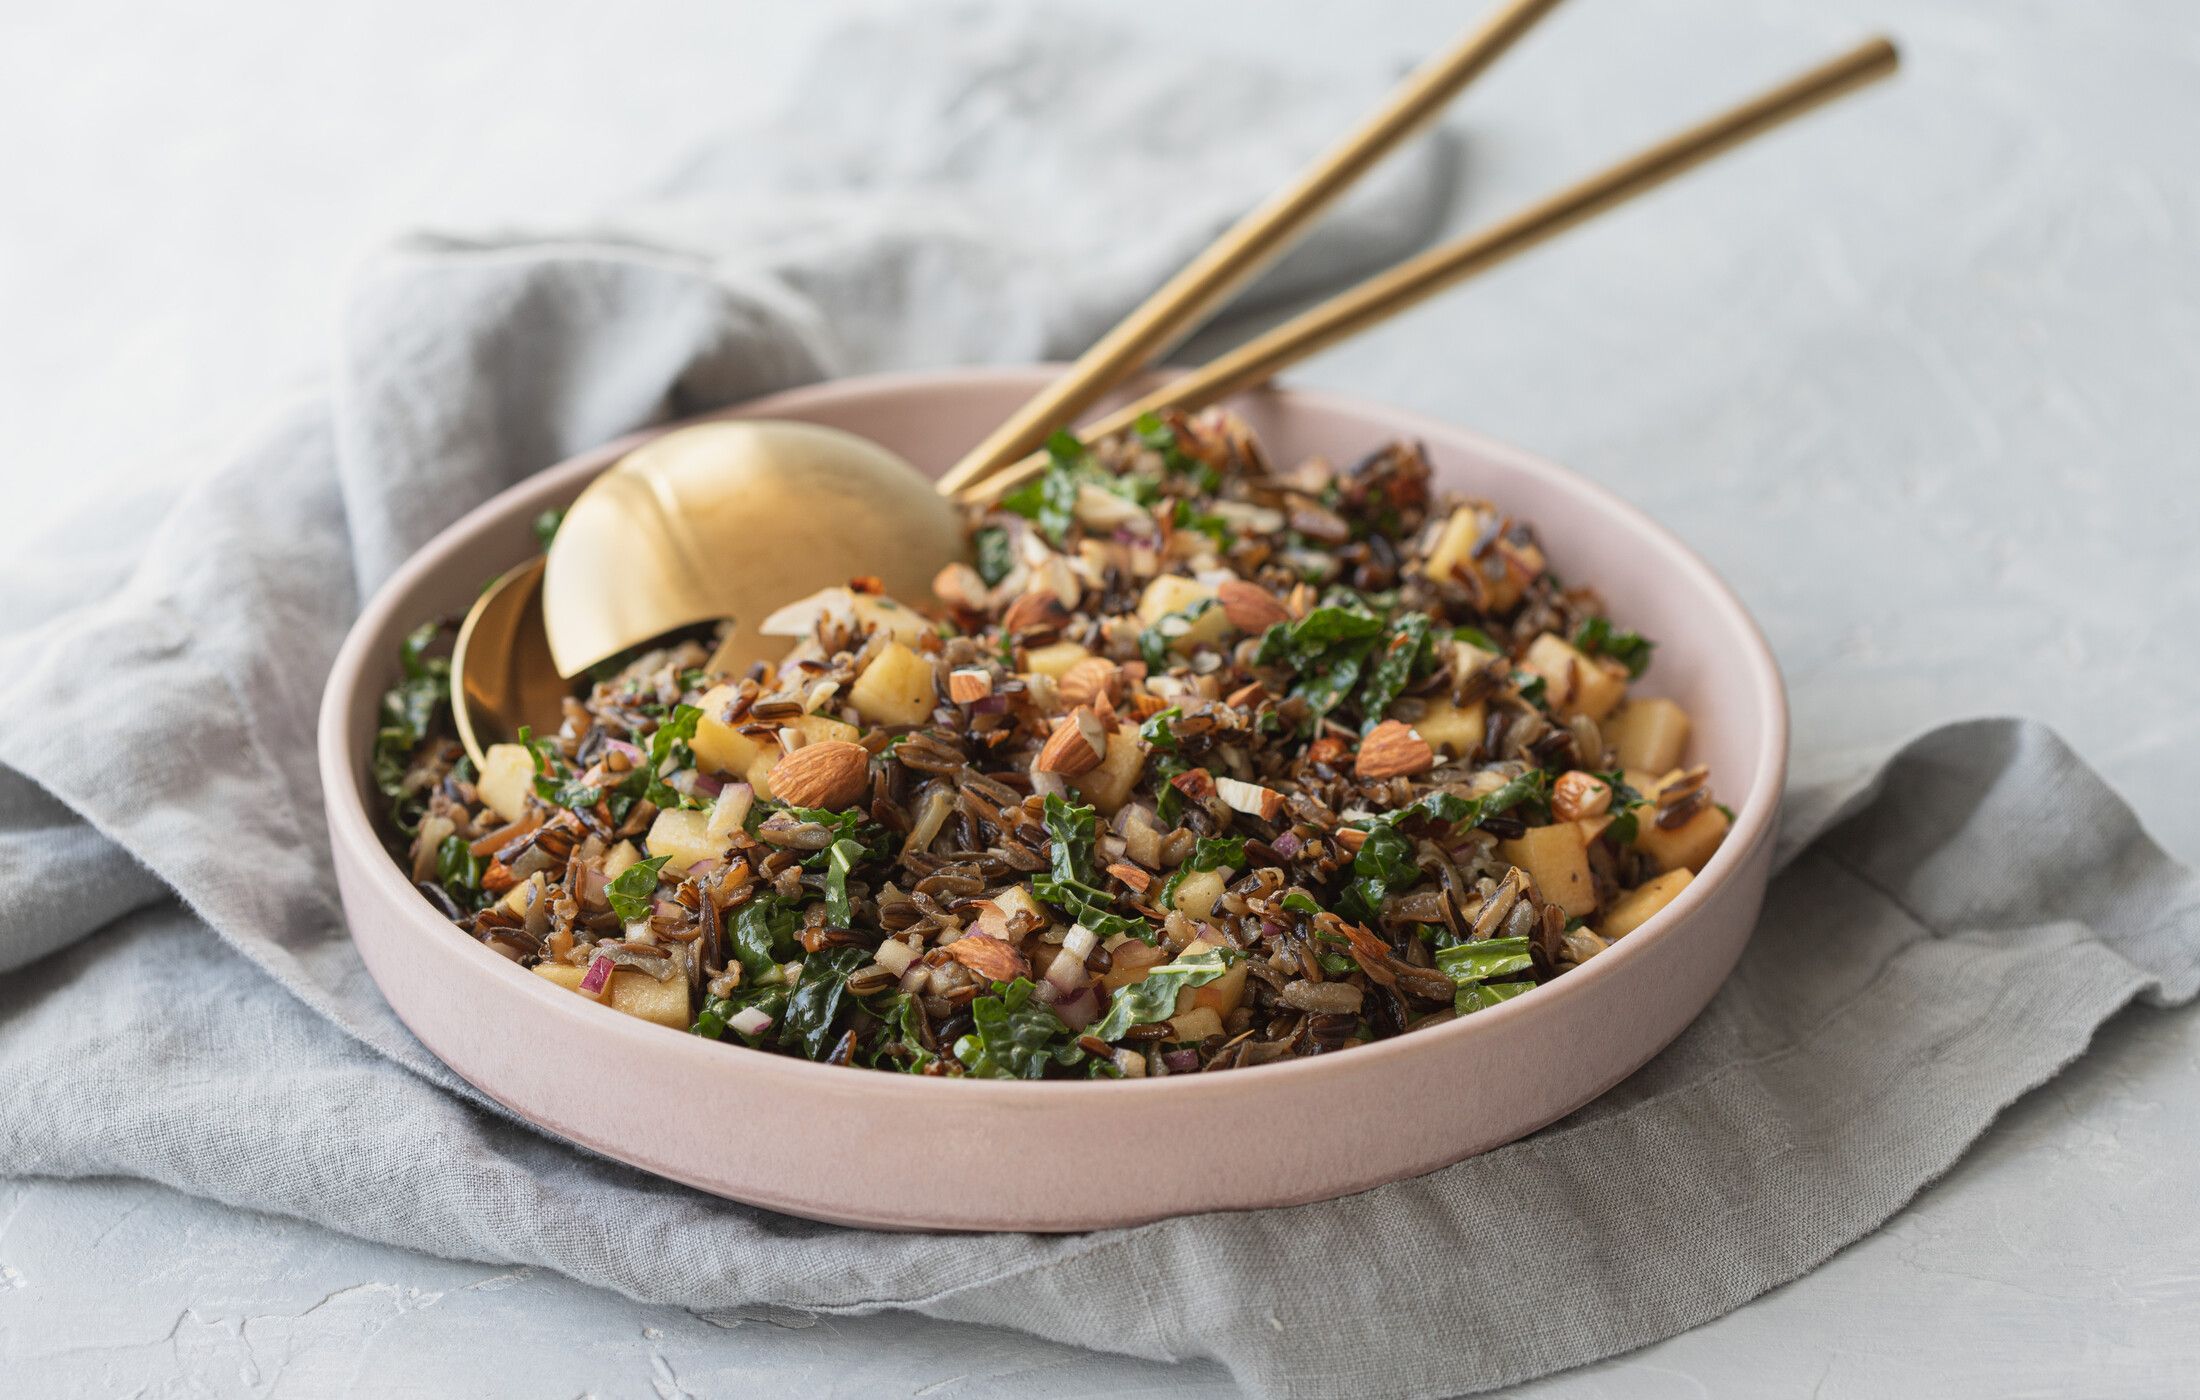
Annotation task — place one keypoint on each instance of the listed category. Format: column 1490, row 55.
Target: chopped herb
column 761, row 933
column 1475, row 967
column 459, row 871
column 1175, row 461
column 1156, row 731
column 1407, row 654
column 996, row 556
column 409, row 712
column 1214, row 527
column 1012, row 1039
column 712, row 1021
column 1072, row 886
column 1155, row 641
column 815, row 1001
column 634, row 893
column 1153, row 998
column 546, row 526
column 841, row 859
column 1208, row 853
column 1597, row 637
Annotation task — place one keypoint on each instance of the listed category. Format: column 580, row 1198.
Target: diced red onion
column 1287, row 845
column 1181, row 1061
column 1270, row 929
column 991, row 705
column 634, row 755
column 597, row 978
column 914, row 979
column 708, row 785
column 1066, row 973
column 1079, row 1011
column 750, row 1020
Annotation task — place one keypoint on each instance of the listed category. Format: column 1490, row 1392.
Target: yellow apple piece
column 507, row 777
column 1453, row 555
column 1558, row 862
column 683, row 838
column 1453, row 729
column 636, row 993
column 898, row 687
column 1197, row 893
column 1574, row 684
column 1686, row 846
column 720, row 747
column 1634, row 908
column 1196, row 1024
column 1054, row 658
column 1133, row 959
column 1650, row 733
column 1105, row 787
column 1173, row 593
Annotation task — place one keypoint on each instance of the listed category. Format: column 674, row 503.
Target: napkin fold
column 184, row 1004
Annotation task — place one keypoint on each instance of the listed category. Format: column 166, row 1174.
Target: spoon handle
column 1250, row 245
column 1419, row 278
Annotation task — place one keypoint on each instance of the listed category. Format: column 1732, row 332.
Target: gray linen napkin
column 1948, row 931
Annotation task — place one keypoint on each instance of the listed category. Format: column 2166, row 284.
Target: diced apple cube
column 1649, row 733
column 1054, row 658
column 1220, row 996
column 720, row 747
column 1452, row 555
column 636, row 993
column 898, row 687
column 818, row 729
column 1453, row 729
column 1106, row 786
column 1688, row 845
column 1574, row 684
column 619, row 858
column 683, row 838
column 1196, row 1024
column 1197, row 893
column 1133, row 959
column 899, row 621
column 507, row 777
column 1634, row 908
column 759, row 775
column 1173, row 593
column 1558, row 863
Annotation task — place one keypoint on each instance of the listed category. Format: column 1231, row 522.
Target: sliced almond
column 1328, row 749
column 1393, row 750
column 959, row 586
column 966, row 686
column 1093, row 679
column 1578, row 794
column 1250, row 798
column 832, row 774
column 990, row 958
column 1131, row 875
column 1250, row 607
column 1033, row 612
column 1197, row 784
column 1072, row 748
column 1246, row 696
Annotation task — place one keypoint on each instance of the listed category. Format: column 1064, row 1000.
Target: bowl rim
column 349, row 813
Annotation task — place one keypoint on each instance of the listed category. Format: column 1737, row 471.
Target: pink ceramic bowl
column 865, row 1148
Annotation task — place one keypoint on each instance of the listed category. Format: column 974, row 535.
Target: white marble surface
column 1918, row 379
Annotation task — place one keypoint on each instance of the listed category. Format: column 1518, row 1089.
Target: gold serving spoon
column 735, row 519
column 1421, row 277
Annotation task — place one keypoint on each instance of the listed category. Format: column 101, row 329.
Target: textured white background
column 1920, row 379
